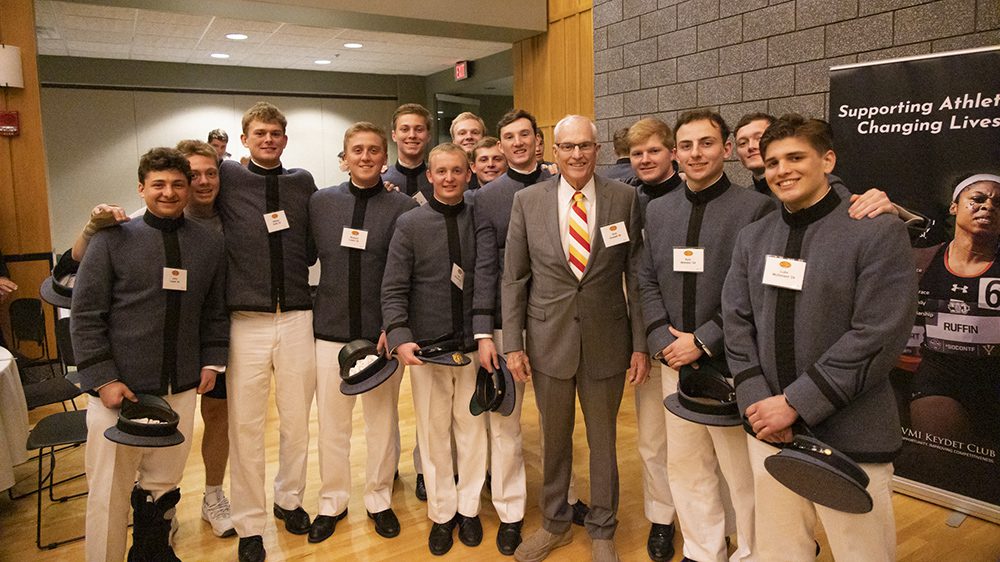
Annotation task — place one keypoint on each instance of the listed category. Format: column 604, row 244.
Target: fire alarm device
column 9, row 124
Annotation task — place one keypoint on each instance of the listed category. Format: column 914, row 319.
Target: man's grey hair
column 569, row 119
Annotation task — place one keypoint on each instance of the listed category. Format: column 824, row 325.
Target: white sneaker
column 215, row 510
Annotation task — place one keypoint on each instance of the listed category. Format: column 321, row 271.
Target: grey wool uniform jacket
column 572, row 325
column 492, row 217
column 266, row 270
column 829, row 347
column 397, row 175
column 692, row 302
column 348, row 300
column 420, row 302
column 126, row 326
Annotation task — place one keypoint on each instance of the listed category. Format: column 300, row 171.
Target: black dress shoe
column 660, row 545
column 296, row 520
column 440, row 540
column 470, row 530
column 386, row 523
column 580, row 511
column 421, row 490
column 509, row 537
column 324, row 526
column 251, row 549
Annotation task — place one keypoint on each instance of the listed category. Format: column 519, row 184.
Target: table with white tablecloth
column 13, row 419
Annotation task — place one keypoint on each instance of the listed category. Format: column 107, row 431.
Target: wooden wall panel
column 554, row 72
column 24, row 218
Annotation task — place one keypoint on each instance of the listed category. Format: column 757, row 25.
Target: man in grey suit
column 572, row 240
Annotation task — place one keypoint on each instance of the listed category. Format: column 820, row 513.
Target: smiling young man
column 488, row 161
column 466, row 130
column 433, row 254
column 817, row 308
column 411, row 131
column 650, row 146
column 681, row 304
column 264, row 210
column 353, row 224
column 148, row 317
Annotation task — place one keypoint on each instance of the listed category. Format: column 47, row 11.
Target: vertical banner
column 915, row 128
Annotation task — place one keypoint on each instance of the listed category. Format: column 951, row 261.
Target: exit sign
column 463, row 70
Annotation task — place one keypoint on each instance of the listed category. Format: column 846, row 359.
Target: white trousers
column 441, row 397
column 696, row 454
column 111, row 474
column 335, row 412
column 262, row 344
column 507, row 475
column 786, row 521
column 651, row 418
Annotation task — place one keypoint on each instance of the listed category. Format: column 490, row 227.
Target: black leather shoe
column 580, row 511
column 440, row 540
column 386, row 523
column 660, row 544
column 251, row 549
column 470, row 530
column 324, row 526
column 421, row 490
column 509, row 537
column 296, row 520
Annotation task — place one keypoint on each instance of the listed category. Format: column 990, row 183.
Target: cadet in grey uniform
column 353, row 224
column 148, row 317
column 411, row 131
column 427, row 294
column 817, row 308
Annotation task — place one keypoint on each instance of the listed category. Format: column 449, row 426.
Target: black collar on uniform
column 811, row 214
column 253, row 167
column 711, row 192
column 159, row 223
column 411, row 171
column 525, row 179
column 366, row 192
column 760, row 184
column 446, row 210
column 660, row 189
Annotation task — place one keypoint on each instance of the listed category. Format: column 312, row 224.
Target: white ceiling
column 99, row 31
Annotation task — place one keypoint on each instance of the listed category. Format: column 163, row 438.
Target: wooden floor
column 922, row 532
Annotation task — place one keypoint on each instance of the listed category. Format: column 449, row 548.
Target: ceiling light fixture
column 322, row 61
column 353, row 45
column 220, row 56
column 236, row 36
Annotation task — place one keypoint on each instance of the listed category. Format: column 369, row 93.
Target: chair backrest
column 64, row 342
column 27, row 321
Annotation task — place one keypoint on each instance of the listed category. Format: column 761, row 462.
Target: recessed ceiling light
column 236, row 36
column 322, row 61
column 353, row 45
column 220, row 56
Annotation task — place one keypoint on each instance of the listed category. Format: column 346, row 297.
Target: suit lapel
column 603, row 197
column 551, row 214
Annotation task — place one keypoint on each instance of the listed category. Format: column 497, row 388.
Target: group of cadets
column 452, row 244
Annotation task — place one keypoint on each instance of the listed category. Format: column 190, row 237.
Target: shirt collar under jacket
column 410, row 172
column 813, row 213
column 445, row 209
column 159, row 223
column 525, row 179
column 663, row 188
column 366, row 192
column 711, row 192
column 262, row 171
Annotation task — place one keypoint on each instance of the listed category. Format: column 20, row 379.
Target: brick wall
column 661, row 57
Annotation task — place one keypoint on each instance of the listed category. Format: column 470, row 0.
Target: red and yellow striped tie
column 579, row 235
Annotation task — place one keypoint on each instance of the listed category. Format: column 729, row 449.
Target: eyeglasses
column 571, row 146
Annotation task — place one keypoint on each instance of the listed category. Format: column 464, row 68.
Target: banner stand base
column 961, row 504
